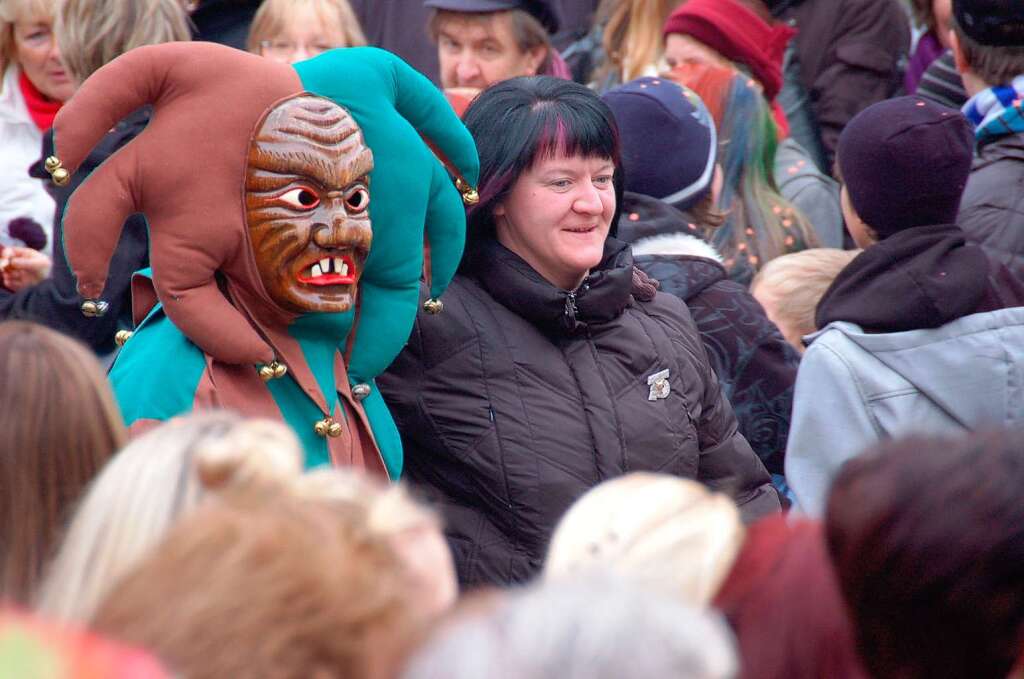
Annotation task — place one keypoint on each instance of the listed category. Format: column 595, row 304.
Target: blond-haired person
column 35, row 84
column 669, row 534
column 789, row 288
column 91, row 33
column 295, row 30
column 146, row 488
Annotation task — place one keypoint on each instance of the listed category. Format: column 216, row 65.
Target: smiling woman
column 34, row 85
column 556, row 364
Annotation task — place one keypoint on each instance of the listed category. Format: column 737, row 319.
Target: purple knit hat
column 668, row 140
column 905, row 163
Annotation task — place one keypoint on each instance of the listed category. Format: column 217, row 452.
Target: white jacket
column 854, row 389
column 22, row 143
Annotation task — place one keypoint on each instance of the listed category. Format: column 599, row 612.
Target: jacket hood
column 602, row 296
column 923, row 277
column 978, row 355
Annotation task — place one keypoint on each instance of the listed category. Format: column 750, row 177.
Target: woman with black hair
column 555, row 364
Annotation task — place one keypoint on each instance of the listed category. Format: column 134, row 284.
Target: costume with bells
column 263, row 186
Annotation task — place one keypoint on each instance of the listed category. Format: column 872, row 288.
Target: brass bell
column 273, row 370
column 51, row 163
column 61, row 177
column 322, row 427
column 122, row 336
column 469, row 194
column 360, row 391
column 433, row 306
column 334, row 430
column 94, row 308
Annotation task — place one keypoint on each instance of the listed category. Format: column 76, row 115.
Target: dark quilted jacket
column 519, row 398
column 992, row 208
column 755, row 365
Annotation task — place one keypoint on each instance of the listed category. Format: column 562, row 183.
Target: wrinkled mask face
column 307, row 198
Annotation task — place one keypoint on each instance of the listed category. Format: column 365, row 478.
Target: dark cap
column 668, row 140
column 541, row 10
column 905, row 163
column 996, row 23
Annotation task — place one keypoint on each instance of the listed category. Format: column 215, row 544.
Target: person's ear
column 958, row 54
column 499, row 210
column 535, row 57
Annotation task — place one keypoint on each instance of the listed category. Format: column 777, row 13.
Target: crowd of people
column 404, row 339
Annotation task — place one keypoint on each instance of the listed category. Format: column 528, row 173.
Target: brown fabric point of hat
column 185, row 172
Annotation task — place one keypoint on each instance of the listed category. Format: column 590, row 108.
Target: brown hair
column 266, row 585
column 271, row 17
column 58, row 426
column 927, row 537
column 923, row 14
column 994, row 65
column 526, row 30
column 91, row 33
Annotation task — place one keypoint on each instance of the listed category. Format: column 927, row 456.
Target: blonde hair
column 91, row 33
column 632, row 35
column 145, row 489
column 795, row 283
column 12, row 11
column 671, row 534
column 388, row 508
column 266, row 585
column 272, row 17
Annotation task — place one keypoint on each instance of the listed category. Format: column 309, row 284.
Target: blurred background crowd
column 810, row 211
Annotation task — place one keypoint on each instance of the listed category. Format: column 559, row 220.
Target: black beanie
column 905, row 163
column 995, row 23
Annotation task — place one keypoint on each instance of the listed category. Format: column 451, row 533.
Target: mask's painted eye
column 358, row 199
column 301, row 198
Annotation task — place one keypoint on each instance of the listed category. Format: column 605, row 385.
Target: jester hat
column 186, row 174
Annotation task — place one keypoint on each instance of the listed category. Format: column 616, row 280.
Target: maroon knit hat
column 738, row 34
column 905, row 163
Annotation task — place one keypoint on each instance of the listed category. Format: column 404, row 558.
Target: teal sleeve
column 384, row 430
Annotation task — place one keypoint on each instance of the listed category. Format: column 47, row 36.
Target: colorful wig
column 760, row 223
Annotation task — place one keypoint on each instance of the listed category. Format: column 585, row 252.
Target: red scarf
column 40, row 108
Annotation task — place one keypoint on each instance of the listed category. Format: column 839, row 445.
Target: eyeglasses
column 286, row 48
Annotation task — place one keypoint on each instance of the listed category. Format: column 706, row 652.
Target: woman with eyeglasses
column 34, row 86
column 295, row 30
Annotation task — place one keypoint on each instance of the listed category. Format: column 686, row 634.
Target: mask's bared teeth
column 342, row 267
column 315, row 271
column 325, row 264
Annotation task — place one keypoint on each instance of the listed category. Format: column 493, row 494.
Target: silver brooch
column 660, row 388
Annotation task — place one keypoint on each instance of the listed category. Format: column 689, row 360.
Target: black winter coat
column 992, row 207
column 520, row 397
column 55, row 302
column 754, row 363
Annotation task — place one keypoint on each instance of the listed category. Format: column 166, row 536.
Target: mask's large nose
column 335, row 229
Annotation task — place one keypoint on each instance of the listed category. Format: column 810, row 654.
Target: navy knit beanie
column 667, row 138
column 905, row 163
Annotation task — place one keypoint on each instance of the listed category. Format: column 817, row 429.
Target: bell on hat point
column 433, row 306
column 51, row 163
column 322, row 427
column 334, row 430
column 469, row 194
column 61, row 176
column 280, row 369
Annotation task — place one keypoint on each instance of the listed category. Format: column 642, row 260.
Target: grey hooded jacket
column 855, row 389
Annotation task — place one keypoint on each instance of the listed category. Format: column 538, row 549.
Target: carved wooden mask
column 307, row 198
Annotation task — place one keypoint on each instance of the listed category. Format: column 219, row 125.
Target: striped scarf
column 997, row 111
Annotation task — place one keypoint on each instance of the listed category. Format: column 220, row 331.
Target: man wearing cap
column 988, row 48
column 481, row 42
column 922, row 330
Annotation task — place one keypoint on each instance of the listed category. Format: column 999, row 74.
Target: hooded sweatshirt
column 922, row 335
